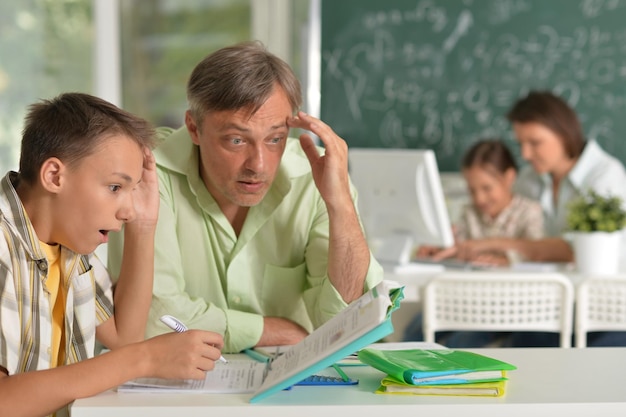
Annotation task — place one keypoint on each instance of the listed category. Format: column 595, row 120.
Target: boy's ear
column 51, row 174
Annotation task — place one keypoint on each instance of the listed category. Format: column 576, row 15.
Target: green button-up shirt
column 210, row 278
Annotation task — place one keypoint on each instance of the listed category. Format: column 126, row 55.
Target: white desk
column 548, row 382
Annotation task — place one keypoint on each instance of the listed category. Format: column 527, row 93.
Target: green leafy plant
column 592, row 212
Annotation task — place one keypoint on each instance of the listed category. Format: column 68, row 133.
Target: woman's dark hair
column 554, row 113
column 489, row 153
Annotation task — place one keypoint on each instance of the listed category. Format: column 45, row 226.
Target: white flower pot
column 597, row 253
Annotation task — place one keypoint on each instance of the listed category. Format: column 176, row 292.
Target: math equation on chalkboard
column 442, row 74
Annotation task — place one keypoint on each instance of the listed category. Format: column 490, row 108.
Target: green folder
column 431, row 367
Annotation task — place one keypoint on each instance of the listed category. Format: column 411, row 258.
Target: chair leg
column 429, row 336
column 581, row 339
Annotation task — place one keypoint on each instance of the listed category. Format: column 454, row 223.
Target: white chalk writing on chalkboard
column 421, row 73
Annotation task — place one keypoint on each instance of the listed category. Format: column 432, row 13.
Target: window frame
column 271, row 24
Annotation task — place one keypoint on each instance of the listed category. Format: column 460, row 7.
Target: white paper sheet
column 236, row 376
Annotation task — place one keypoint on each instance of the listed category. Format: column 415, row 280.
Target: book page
column 356, row 320
column 271, row 352
column 236, row 376
column 354, row 323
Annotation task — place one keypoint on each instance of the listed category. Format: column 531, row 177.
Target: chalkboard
column 441, row 74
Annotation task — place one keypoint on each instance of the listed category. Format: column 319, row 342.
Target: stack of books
column 437, row 372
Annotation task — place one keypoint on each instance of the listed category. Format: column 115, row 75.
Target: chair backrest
column 600, row 306
column 499, row 301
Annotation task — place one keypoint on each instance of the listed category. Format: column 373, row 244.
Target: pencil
column 257, row 356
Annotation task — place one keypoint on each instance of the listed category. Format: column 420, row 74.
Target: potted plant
column 596, row 224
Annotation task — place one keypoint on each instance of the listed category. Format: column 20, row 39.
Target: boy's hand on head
column 330, row 171
column 146, row 194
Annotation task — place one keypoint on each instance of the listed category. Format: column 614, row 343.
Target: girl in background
column 562, row 164
column 495, row 211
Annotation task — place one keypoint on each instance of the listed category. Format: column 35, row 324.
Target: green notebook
column 430, row 367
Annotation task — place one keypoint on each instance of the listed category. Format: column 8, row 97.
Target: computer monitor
column 401, row 201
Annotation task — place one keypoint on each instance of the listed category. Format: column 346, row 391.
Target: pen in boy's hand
column 179, row 327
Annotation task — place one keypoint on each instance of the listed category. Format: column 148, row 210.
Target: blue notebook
column 363, row 322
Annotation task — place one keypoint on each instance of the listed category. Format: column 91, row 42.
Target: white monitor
column 401, row 201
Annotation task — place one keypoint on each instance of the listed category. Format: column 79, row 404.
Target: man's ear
column 51, row 174
column 192, row 127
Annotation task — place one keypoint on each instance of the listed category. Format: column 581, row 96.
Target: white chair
column 600, row 306
column 499, row 301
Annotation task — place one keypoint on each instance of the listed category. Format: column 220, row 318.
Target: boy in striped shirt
column 86, row 168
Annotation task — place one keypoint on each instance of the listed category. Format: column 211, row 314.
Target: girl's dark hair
column 489, row 153
column 554, row 113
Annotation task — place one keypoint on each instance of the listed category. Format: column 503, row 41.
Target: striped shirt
column 25, row 304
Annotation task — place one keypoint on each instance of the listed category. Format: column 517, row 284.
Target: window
column 162, row 41
column 46, row 49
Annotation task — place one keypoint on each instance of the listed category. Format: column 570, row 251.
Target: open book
column 266, row 353
column 363, row 322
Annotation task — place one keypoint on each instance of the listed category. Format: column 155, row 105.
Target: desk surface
column 548, row 382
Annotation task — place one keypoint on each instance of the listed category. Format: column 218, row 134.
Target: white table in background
column 548, row 382
column 415, row 276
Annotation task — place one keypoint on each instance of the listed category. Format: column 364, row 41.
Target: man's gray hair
column 242, row 76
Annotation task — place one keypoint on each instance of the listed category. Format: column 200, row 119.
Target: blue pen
column 179, row 327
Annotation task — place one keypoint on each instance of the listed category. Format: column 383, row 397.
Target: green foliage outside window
column 161, row 44
column 45, row 48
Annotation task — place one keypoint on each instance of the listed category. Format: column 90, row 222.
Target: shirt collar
column 502, row 217
column 585, row 164
column 12, row 209
column 581, row 168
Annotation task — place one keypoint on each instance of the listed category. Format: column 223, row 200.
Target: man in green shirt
column 258, row 236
